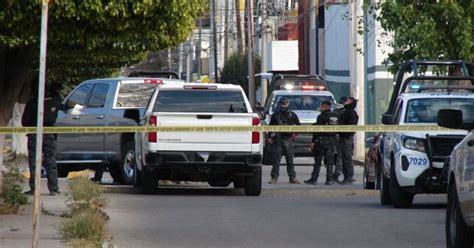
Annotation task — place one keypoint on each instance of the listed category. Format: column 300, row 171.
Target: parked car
column 460, row 209
column 372, row 163
column 219, row 158
column 103, row 102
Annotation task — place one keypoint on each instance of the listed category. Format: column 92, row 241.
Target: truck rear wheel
column 400, row 198
column 365, row 180
column 149, row 182
column 457, row 233
column 127, row 164
column 253, row 184
column 384, row 188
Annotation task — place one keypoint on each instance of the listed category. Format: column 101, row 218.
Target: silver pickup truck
column 103, row 102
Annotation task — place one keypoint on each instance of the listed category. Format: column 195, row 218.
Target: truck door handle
column 76, row 117
column 100, row 117
column 204, row 116
column 470, row 143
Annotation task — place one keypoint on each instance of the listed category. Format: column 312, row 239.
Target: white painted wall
column 282, row 55
column 336, row 52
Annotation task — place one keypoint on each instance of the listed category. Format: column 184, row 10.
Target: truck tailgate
column 204, row 141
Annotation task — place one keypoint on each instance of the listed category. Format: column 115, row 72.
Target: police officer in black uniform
column 323, row 145
column 338, row 169
column 346, row 139
column 29, row 119
column 283, row 143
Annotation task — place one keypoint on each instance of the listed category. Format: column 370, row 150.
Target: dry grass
column 85, row 225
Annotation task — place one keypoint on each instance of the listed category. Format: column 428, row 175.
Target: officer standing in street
column 283, row 143
column 338, row 169
column 346, row 139
column 323, row 145
column 29, row 119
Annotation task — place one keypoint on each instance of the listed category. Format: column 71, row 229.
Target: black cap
column 326, row 102
column 283, row 100
column 353, row 99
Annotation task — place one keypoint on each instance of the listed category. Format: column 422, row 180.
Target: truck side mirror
column 450, row 118
column 388, row 119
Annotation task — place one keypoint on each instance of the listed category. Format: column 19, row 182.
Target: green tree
column 428, row 29
column 86, row 39
column 235, row 70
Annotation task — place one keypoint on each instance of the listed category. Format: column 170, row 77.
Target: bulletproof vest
column 333, row 118
column 50, row 112
column 285, row 118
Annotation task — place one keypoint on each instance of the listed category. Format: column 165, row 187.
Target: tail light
column 153, row 81
column 152, row 137
column 255, row 135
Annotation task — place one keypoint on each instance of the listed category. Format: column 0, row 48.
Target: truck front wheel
column 400, row 198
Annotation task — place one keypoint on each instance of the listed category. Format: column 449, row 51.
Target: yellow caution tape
column 296, row 129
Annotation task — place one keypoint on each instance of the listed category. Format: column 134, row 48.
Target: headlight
column 414, row 144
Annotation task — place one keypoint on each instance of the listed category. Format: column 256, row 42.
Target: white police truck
column 415, row 162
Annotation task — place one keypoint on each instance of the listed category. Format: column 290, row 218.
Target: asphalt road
column 283, row 216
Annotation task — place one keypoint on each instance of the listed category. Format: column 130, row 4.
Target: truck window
column 302, row 102
column 425, row 110
column 98, row 96
column 134, row 95
column 200, row 101
column 79, row 96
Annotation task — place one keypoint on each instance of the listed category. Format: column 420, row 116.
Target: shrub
column 87, row 225
column 12, row 190
column 84, row 194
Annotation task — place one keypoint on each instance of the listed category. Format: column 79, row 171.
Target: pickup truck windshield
column 200, row 101
column 134, row 95
column 425, row 110
column 302, row 102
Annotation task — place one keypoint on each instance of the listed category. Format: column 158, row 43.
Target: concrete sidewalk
column 16, row 230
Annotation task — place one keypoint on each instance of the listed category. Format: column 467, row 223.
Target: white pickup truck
column 219, row 158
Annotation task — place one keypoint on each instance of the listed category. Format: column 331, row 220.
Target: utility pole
column 180, row 62
column 250, row 53
column 226, row 29
column 169, row 59
column 39, row 123
column 240, row 46
column 214, row 37
column 357, row 75
column 263, row 30
column 198, row 50
column 316, row 17
column 189, row 61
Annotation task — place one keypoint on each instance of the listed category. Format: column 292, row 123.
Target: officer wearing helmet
column 283, row 143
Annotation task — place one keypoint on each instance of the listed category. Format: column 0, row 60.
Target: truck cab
column 415, row 162
column 103, row 102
